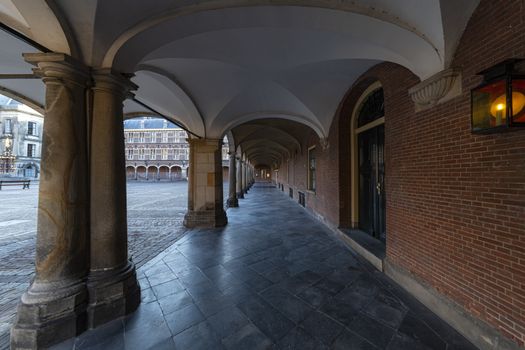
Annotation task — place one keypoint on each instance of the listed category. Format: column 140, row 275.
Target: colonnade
column 241, row 179
column 84, row 276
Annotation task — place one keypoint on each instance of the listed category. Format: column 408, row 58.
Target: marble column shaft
column 112, row 282
column 53, row 308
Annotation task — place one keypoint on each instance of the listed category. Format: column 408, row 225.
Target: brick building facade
column 455, row 204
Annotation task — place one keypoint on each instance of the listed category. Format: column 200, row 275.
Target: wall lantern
column 498, row 104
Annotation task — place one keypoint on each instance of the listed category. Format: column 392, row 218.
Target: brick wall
column 455, row 200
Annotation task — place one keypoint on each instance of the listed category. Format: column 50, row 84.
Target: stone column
column 239, row 187
column 232, row 173
column 112, row 283
column 205, row 197
column 54, row 307
column 244, row 177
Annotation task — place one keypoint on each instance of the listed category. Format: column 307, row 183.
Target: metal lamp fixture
column 498, row 104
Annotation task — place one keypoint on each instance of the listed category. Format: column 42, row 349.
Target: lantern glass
column 489, row 106
column 518, row 102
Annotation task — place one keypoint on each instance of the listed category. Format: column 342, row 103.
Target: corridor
column 273, row 278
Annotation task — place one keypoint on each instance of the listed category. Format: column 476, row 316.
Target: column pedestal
column 205, row 197
column 53, row 309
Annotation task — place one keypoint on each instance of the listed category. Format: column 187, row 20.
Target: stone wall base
column 48, row 314
column 205, row 218
column 112, row 294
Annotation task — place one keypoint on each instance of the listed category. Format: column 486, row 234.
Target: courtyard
column 155, row 214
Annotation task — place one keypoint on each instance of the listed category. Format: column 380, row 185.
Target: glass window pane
column 489, row 106
column 518, row 101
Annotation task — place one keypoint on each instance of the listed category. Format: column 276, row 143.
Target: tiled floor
column 274, row 278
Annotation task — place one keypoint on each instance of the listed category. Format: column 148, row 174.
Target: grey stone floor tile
column 146, row 314
column 168, row 288
column 292, row 307
column 321, row 327
column 384, row 313
column 298, row 339
column 147, row 336
column 315, row 296
column 174, row 302
column 372, row 330
column 198, row 337
column 248, row 337
column 350, row 341
column 402, row 342
column 184, row 318
column 339, row 310
column 227, row 321
column 270, row 321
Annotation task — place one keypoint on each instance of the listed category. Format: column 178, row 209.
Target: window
column 372, row 108
column 311, row 169
column 7, row 126
column 30, row 150
column 31, row 128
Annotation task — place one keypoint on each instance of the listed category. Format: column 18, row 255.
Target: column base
column 232, row 202
column 205, row 218
column 112, row 294
column 50, row 313
column 240, row 195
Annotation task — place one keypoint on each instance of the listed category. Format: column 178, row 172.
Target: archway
column 141, row 173
column 368, row 196
column 130, row 173
column 164, row 173
column 152, row 173
column 176, row 172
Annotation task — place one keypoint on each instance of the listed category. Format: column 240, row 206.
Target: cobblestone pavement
column 155, row 214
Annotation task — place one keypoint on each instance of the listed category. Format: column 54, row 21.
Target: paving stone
column 248, row 337
column 183, row 318
column 299, row 339
column 228, row 321
column 198, row 337
column 321, row 327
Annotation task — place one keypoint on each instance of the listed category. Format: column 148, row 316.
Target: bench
column 24, row 183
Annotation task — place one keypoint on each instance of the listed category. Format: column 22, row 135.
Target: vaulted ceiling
column 215, row 65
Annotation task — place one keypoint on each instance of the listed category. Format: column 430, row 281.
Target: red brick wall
column 455, row 200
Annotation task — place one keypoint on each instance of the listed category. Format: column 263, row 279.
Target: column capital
column 106, row 79
column 58, row 66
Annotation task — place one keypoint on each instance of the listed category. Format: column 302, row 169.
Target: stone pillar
column 238, row 187
column 54, row 306
column 112, row 283
column 233, row 202
column 135, row 173
column 244, row 177
column 205, row 197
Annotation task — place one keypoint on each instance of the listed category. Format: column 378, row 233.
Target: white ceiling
column 215, row 64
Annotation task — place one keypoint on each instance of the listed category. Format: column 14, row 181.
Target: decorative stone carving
column 439, row 88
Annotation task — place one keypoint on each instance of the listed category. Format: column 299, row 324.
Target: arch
column 141, row 172
column 131, row 173
column 43, row 22
column 23, row 99
column 375, row 13
column 176, row 172
column 277, row 115
column 151, row 173
column 164, row 172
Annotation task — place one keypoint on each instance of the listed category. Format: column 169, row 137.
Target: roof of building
column 149, row 123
